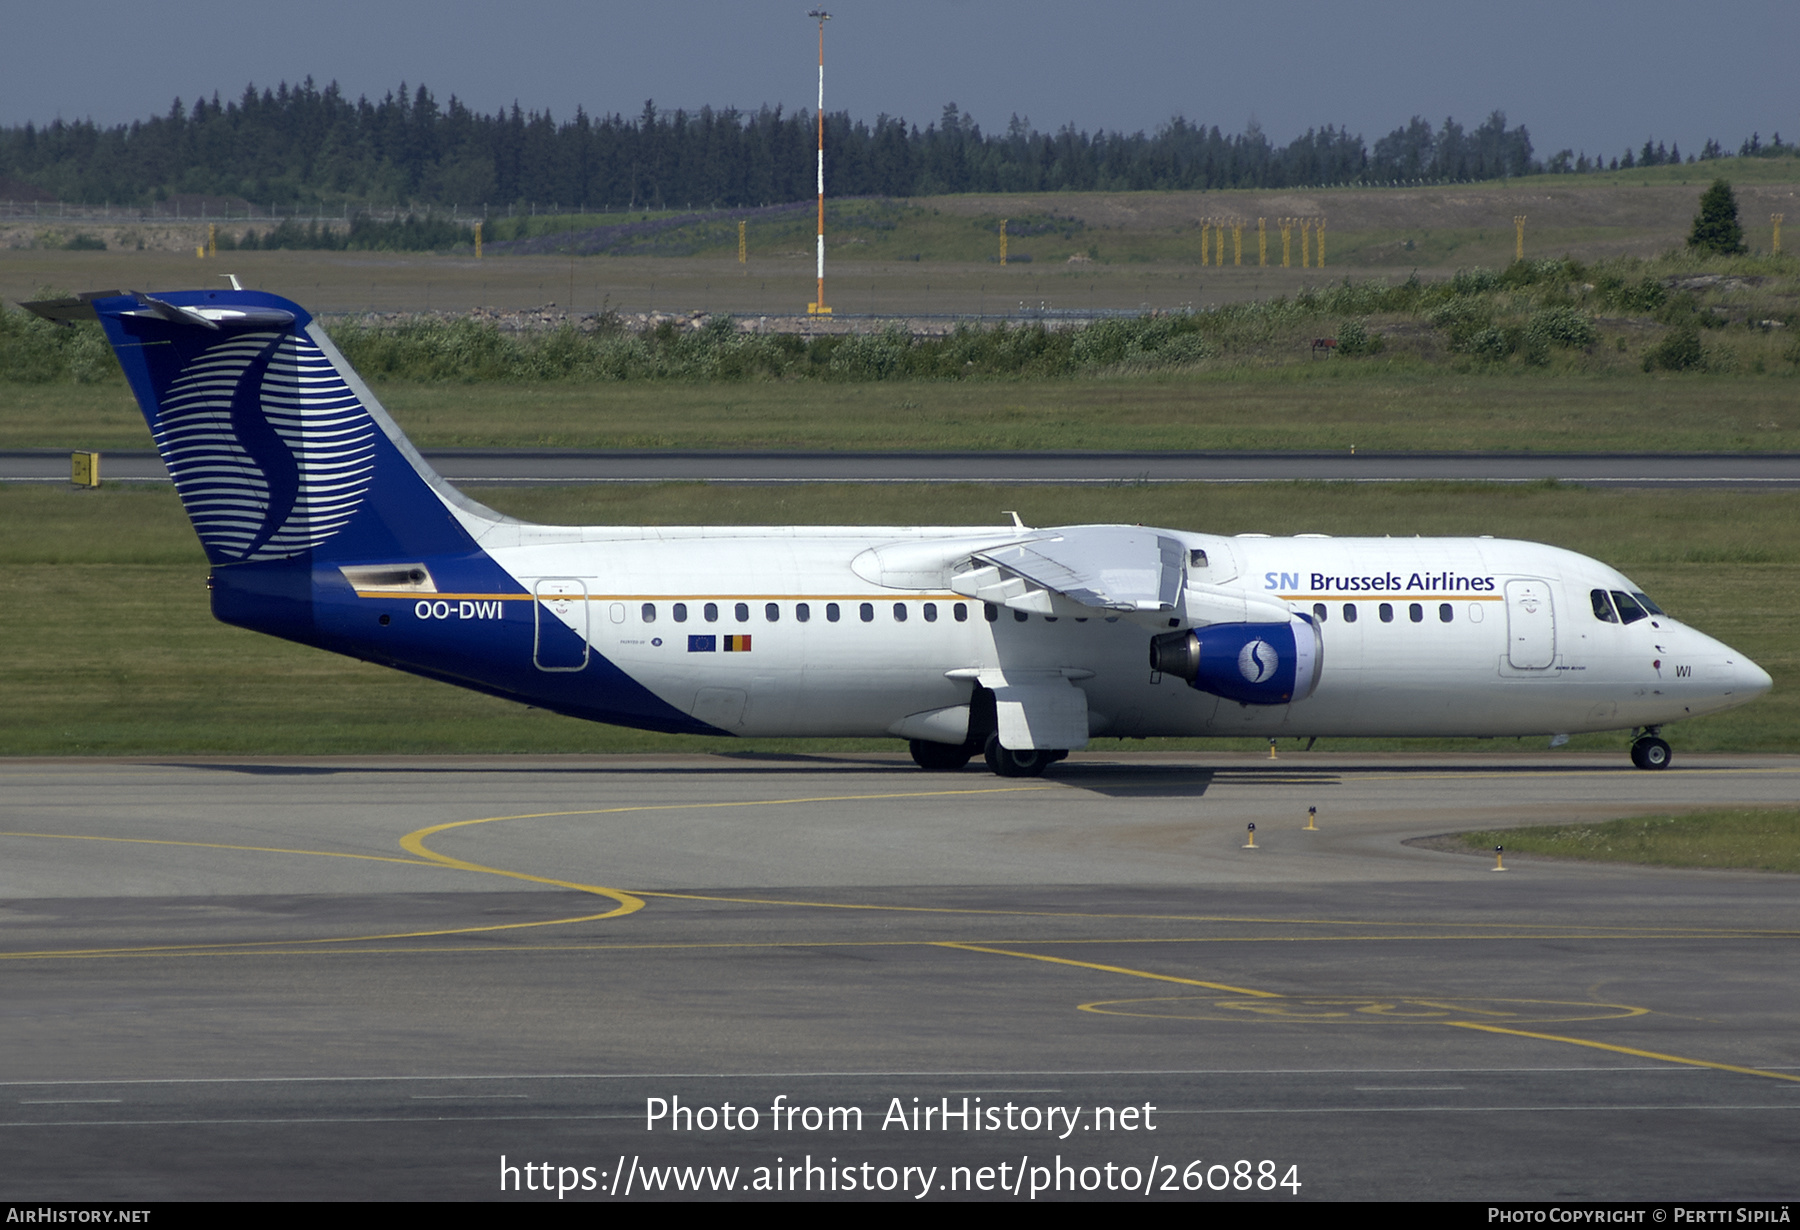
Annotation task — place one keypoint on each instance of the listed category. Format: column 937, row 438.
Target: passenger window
column 961, row 611
column 1445, row 614
column 831, row 611
column 1387, row 612
column 1629, row 611
column 1349, row 612
column 772, row 611
column 742, row 611
column 1603, row 610
column 867, row 611
column 1416, row 613
column 681, row 612
column 1020, row 617
column 802, row 612
column 899, row 612
column 711, row 611
column 649, row 612
column 1319, row 611
column 990, row 612
column 931, row 612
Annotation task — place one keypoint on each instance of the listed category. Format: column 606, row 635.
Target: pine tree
column 1716, row 227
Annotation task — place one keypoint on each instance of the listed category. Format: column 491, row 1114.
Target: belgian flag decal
column 737, row 644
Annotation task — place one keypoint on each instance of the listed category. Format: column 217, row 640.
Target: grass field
column 112, row 650
column 1759, row 840
column 939, row 254
column 1373, row 406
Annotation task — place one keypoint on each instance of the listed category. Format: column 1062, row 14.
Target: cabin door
column 1530, row 625
column 560, row 635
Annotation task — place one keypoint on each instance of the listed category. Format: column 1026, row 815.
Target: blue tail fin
column 277, row 448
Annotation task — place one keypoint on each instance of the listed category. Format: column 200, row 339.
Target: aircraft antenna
column 818, row 307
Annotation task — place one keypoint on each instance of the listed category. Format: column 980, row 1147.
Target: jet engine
column 1257, row 664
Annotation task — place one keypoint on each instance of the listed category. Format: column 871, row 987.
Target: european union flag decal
column 703, row 644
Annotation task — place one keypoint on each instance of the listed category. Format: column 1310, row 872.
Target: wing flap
column 1101, row 567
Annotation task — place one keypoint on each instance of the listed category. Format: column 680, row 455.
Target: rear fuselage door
column 560, row 637
column 1530, row 625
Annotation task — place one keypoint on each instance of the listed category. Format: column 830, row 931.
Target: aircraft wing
column 1101, row 567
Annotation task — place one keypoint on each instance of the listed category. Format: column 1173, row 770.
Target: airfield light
column 1003, row 241
column 818, row 308
column 1237, row 241
column 1312, row 814
column 1775, row 220
column 1287, row 241
column 1262, row 241
column 743, row 252
column 478, row 241
column 1499, row 859
column 1306, row 243
column 1205, row 248
column 1518, row 237
column 1250, row 842
column 1321, row 226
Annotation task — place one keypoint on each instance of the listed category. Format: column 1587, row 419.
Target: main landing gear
column 1650, row 752
column 983, row 740
column 949, row 757
column 1030, row 762
column 940, row 757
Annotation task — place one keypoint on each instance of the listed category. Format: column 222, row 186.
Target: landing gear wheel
column 1030, row 762
column 940, row 757
column 1650, row 752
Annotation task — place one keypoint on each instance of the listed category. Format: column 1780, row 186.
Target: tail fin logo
column 269, row 449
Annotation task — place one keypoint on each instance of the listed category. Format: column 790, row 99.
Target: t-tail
column 322, row 522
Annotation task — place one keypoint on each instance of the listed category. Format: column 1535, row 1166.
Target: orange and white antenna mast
column 819, row 306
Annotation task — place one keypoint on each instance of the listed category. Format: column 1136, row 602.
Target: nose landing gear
column 1650, row 752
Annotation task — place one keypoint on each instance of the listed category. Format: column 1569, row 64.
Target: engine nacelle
column 1257, row 664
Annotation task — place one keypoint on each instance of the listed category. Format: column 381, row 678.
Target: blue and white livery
column 325, row 526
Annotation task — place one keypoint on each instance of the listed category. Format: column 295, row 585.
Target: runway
column 397, row 978
column 1743, row 471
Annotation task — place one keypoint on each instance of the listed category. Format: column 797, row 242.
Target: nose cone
column 1752, row 679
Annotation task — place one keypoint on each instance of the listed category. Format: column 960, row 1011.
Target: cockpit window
column 1644, row 601
column 1603, row 610
column 1629, row 611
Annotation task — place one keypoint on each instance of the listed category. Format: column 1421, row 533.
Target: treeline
column 315, row 147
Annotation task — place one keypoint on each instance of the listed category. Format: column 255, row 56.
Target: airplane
column 325, row 526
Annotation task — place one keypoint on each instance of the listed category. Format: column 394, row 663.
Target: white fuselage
column 855, row 631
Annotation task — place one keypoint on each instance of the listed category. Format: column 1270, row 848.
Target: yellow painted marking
column 1473, row 930
column 1340, row 1010
column 590, row 596
column 628, row 903
column 238, row 947
column 1111, row 969
column 214, row 845
column 1626, row 1050
column 1415, row 597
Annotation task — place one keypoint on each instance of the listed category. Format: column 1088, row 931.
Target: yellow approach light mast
column 819, row 307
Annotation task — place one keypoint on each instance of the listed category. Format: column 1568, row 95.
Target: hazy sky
column 1579, row 73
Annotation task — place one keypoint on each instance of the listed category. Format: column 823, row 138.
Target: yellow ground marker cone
column 1499, row 863
column 1251, row 843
